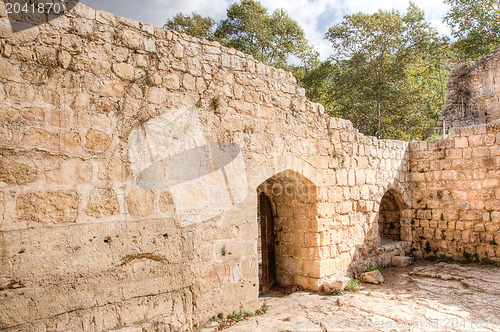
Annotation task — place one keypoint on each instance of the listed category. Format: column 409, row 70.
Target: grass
column 352, row 286
column 237, row 316
column 379, row 268
column 468, row 259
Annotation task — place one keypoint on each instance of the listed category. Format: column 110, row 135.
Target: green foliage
column 352, row 286
column 194, row 25
column 271, row 38
column 434, row 136
column 262, row 310
column 493, row 242
column 427, row 248
column 476, row 25
column 374, row 268
column 214, row 319
column 236, row 316
column 388, row 73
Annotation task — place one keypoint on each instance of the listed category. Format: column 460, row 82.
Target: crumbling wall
column 473, row 93
column 106, row 218
column 456, row 195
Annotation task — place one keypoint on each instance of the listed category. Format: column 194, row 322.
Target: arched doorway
column 389, row 221
column 287, row 209
column 267, row 267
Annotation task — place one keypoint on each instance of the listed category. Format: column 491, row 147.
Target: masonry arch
column 392, row 217
column 287, row 210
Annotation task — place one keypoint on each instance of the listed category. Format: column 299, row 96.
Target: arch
column 280, row 164
column 283, row 249
column 392, row 214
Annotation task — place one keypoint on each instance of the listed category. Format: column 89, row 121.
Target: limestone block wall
column 456, row 196
column 473, row 93
column 98, row 114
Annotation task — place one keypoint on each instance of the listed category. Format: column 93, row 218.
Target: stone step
column 401, row 261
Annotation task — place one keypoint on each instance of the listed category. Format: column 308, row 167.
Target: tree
column 376, row 72
column 194, row 25
column 476, row 25
column 274, row 39
column 269, row 38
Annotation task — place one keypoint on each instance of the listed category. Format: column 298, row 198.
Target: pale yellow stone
column 102, row 203
column 140, row 202
column 97, row 140
column 124, row 71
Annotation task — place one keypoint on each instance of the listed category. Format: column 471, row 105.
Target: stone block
column 157, row 96
column 372, row 277
column 113, row 170
column 102, row 203
column 124, row 71
column 335, row 284
column 112, row 89
column 68, row 172
column 401, row 261
column 18, row 172
column 48, row 207
column 131, row 39
column 97, row 140
column 140, row 202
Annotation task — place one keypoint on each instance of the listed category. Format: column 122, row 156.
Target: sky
column 314, row 16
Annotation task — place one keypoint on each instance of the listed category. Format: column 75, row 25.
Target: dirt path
column 423, row 297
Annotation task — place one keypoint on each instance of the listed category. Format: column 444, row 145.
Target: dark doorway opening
column 389, row 221
column 267, row 269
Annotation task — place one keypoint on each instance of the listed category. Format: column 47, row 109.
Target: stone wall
column 100, row 228
column 473, row 93
column 456, row 195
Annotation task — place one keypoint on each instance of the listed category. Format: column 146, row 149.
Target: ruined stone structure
column 456, row 193
column 473, row 93
column 140, row 167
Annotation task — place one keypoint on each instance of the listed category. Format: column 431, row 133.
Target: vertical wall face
column 102, row 220
column 294, row 201
column 473, row 93
column 455, row 186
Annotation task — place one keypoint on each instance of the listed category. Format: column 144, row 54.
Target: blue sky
column 315, row 16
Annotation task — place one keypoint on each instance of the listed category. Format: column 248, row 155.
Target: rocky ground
column 422, row 297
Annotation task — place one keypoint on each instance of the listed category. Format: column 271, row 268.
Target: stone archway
column 389, row 220
column 287, row 208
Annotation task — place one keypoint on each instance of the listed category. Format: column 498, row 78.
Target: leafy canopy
column 476, row 25
column 271, row 38
column 194, row 25
column 386, row 74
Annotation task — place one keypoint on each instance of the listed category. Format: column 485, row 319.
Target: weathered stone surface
column 372, row 277
column 325, row 180
column 34, row 114
column 68, row 172
column 97, row 140
column 48, row 207
column 112, row 89
column 18, row 172
column 102, row 203
column 335, row 284
column 401, row 261
column 6, row 69
column 124, row 71
column 140, row 202
column 114, row 170
column 131, row 39
column 166, row 202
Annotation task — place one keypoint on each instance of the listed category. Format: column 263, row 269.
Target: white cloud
column 315, row 16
